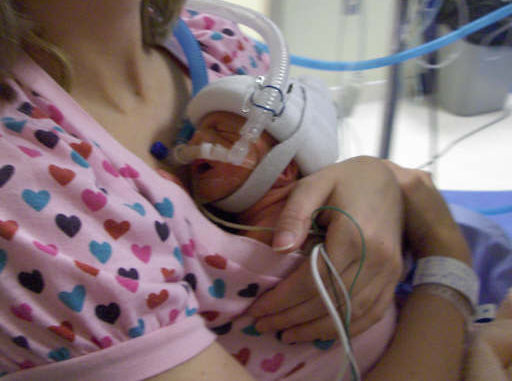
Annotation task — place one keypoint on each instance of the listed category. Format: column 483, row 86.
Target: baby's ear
column 289, row 174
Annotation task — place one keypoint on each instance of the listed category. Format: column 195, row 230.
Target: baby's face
column 214, row 180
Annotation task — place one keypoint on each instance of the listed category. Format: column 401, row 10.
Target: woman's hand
column 366, row 189
column 429, row 226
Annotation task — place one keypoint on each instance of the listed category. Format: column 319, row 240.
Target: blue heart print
column 138, row 330
column 102, row 251
column 165, row 208
column 217, row 289
column 323, row 344
column 37, row 200
column 3, row 259
column 137, row 207
column 178, row 255
column 216, row 36
column 251, row 331
column 190, row 311
column 60, row 354
column 13, row 124
column 77, row 158
column 74, row 299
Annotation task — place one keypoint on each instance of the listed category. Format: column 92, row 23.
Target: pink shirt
column 108, row 271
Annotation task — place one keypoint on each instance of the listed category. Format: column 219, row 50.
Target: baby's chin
column 208, row 190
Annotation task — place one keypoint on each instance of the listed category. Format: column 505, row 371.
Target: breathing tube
column 265, row 102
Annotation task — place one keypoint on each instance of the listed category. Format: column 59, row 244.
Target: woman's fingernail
column 284, row 241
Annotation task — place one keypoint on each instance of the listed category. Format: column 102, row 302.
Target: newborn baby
column 300, row 141
column 212, row 181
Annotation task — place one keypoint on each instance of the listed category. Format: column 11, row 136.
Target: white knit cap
column 306, row 130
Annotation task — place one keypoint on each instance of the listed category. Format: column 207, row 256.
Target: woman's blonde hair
column 18, row 33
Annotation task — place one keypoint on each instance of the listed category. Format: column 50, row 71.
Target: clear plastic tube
column 188, row 153
column 490, row 38
column 268, row 98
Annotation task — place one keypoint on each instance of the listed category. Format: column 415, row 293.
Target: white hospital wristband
column 448, row 272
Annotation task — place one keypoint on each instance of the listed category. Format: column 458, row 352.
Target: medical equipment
column 269, row 96
column 305, row 131
column 502, row 116
column 340, row 327
column 405, row 55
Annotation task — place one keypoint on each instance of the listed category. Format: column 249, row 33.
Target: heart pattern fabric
column 110, row 253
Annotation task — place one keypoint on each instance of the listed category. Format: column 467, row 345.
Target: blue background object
column 484, row 201
column 488, row 236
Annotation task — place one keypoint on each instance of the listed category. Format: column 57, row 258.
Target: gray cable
column 504, row 115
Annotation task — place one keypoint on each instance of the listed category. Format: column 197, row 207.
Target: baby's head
column 214, row 180
column 303, row 138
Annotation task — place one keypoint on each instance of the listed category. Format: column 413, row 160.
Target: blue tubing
column 421, row 50
column 194, row 55
column 496, row 211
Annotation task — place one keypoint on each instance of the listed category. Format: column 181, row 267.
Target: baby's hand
column 490, row 354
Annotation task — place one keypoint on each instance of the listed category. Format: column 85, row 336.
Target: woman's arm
column 429, row 342
column 214, row 363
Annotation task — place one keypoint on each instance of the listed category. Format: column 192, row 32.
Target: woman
column 71, row 174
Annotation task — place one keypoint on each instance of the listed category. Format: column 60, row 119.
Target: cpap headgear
column 298, row 113
column 305, row 127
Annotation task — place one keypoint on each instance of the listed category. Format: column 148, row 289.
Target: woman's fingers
column 301, row 315
column 374, row 312
column 371, row 199
column 301, row 306
column 297, row 288
column 294, row 222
